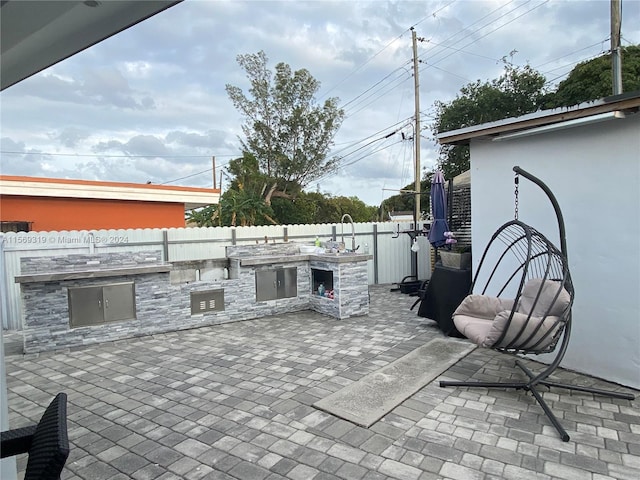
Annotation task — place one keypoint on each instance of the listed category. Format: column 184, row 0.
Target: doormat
column 373, row 396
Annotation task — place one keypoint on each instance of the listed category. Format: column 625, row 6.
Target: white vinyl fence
column 391, row 251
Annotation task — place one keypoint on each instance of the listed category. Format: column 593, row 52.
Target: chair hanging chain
column 516, row 180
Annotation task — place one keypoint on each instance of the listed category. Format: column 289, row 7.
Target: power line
column 354, row 143
column 451, row 37
column 208, row 170
column 96, row 155
column 571, row 53
column 432, row 63
column 364, row 155
column 345, row 105
column 387, row 89
column 128, row 156
column 445, row 71
column 391, row 86
column 461, row 51
column 383, row 49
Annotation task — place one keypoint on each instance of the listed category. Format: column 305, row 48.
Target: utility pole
column 416, row 133
column 416, row 141
column 213, row 159
column 616, row 60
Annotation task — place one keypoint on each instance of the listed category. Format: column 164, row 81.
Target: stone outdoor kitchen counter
column 80, row 299
column 103, row 273
column 305, row 257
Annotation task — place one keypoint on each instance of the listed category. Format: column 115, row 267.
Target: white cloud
column 158, row 89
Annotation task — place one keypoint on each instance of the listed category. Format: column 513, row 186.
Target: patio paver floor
column 234, row 401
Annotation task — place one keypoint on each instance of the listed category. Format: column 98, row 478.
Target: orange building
column 51, row 204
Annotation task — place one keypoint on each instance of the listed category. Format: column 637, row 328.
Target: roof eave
column 629, row 102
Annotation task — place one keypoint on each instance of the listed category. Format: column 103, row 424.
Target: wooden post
column 616, row 60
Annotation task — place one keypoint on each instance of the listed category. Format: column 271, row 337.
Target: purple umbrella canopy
column 439, row 225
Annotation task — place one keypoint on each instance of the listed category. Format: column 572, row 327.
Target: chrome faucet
column 353, row 231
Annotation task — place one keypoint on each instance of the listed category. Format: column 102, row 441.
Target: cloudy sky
column 149, row 104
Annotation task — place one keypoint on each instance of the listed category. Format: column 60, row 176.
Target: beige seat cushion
column 475, row 329
column 521, row 330
column 482, row 318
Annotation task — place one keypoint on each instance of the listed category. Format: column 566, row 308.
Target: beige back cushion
column 545, row 304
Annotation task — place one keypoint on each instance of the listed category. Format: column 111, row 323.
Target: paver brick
column 183, row 465
column 284, row 466
column 238, row 397
column 302, row 472
column 399, row 470
column 346, row 453
column 248, row 471
column 460, row 472
column 163, row 456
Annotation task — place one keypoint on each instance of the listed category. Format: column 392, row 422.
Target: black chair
column 46, row 443
column 422, row 290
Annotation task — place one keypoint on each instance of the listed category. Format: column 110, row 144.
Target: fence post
column 165, row 245
column 92, row 243
column 233, row 236
column 375, row 254
column 4, row 310
column 333, row 233
column 286, row 234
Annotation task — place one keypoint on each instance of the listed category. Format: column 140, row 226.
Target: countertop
column 304, row 257
column 95, row 273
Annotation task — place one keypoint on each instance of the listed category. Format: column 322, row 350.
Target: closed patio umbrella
column 438, row 211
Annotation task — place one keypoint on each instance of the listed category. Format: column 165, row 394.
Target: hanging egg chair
column 522, row 302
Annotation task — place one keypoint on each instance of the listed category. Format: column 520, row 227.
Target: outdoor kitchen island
column 343, row 274
column 81, row 299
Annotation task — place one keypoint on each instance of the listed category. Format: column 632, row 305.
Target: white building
column 589, row 156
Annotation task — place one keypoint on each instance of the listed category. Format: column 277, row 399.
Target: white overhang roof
column 624, row 103
column 191, row 197
column 37, row 34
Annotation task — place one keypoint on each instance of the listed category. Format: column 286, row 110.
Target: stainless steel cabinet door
column 276, row 283
column 266, row 285
column 100, row 304
column 85, row 306
column 119, row 302
column 287, row 282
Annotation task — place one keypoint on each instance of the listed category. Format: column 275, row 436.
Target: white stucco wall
column 594, row 172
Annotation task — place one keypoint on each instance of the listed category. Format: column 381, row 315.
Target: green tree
column 285, row 130
column 300, row 210
column 355, row 207
column 243, row 208
column 246, row 174
column 593, row 79
column 204, row 217
column 519, row 90
column 326, row 211
column 406, row 202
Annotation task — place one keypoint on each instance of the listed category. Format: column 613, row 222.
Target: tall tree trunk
column 267, row 198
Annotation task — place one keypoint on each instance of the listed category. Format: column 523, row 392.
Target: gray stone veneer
column 162, row 306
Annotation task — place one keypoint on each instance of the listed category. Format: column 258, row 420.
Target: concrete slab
column 367, row 400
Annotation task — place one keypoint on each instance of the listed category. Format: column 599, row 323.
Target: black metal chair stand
column 46, row 443
column 536, row 317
